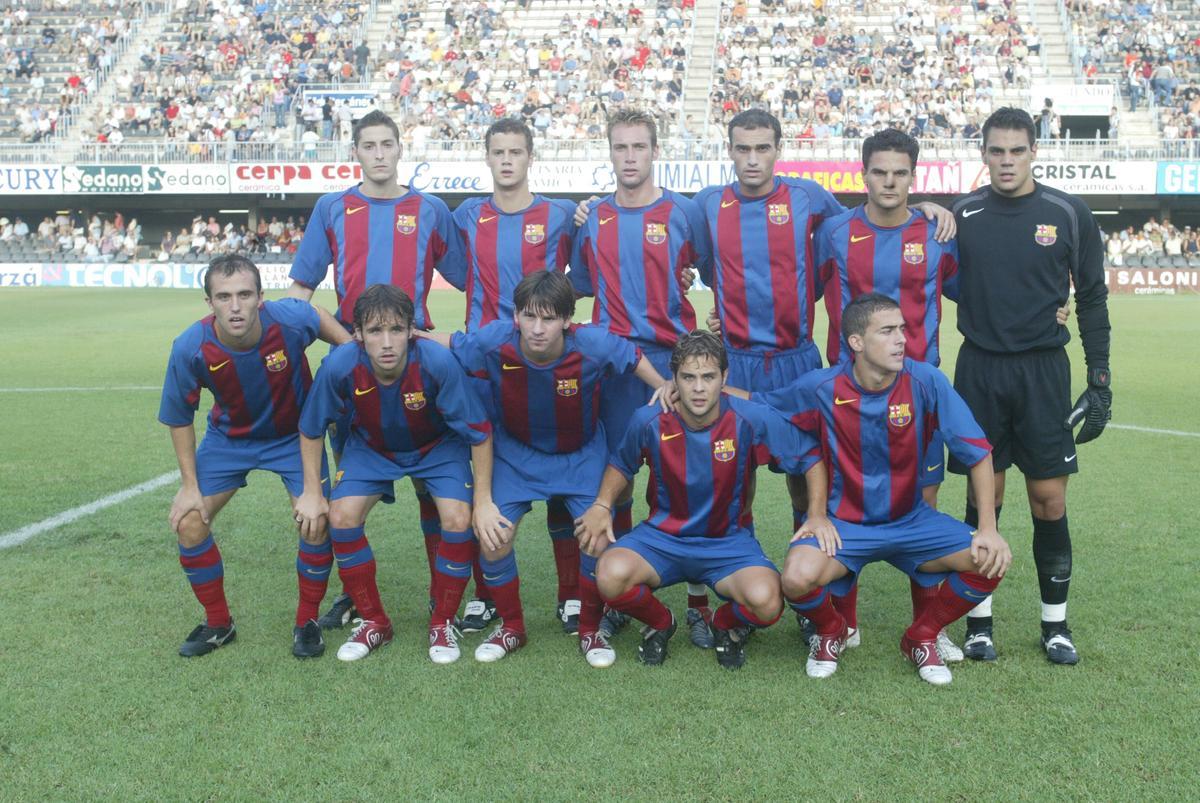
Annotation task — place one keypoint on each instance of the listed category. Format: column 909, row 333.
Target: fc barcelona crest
column 899, row 415
column 414, row 401
column 778, row 214
column 406, row 224
column 567, row 387
column 724, row 450
column 276, row 361
column 656, row 233
column 1045, row 235
column 914, row 253
column 534, row 233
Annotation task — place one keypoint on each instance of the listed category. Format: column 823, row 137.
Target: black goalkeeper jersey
column 1017, row 260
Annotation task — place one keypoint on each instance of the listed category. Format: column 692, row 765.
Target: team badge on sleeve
column 415, row 400
column 724, row 450
column 1045, row 235
column 406, row 224
column 534, row 233
column 914, row 253
column 778, row 214
column 567, row 387
column 656, row 233
column 276, row 361
column 899, row 415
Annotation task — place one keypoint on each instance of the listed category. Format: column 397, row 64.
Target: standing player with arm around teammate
column 762, row 270
column 702, row 458
column 632, row 253
column 1022, row 245
column 378, row 232
column 411, row 415
column 875, row 416
column 250, row 355
column 506, row 236
column 544, row 379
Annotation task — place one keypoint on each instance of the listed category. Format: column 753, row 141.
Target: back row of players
column 524, row 406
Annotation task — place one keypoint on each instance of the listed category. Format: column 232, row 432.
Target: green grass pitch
column 97, row 705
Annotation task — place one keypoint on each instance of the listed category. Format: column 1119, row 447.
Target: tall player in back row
column 1022, row 245
column 506, row 236
column 378, row 232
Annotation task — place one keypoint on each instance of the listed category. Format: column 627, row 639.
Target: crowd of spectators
column 71, row 236
column 1153, row 239
column 208, row 238
column 934, row 71
column 491, row 60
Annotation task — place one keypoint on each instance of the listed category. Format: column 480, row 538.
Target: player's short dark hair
column 857, row 314
column 508, row 125
column 371, row 118
column 545, row 291
column 1010, row 118
column 890, row 139
column 699, row 344
column 633, row 117
column 227, row 265
column 756, row 118
column 383, row 301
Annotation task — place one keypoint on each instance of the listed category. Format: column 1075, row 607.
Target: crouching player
column 544, row 381
column 411, row 415
column 877, row 416
column 250, row 355
column 702, row 458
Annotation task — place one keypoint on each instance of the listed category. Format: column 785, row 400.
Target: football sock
column 481, row 586
column 971, row 516
column 980, row 617
column 640, row 603
column 205, row 570
column 960, row 592
column 922, row 596
column 731, row 615
column 456, row 554
column 313, row 563
column 697, row 594
column 817, row 607
column 566, row 549
column 356, row 568
column 847, row 605
column 431, row 528
column 504, row 585
column 591, row 607
column 622, row 518
column 1052, row 557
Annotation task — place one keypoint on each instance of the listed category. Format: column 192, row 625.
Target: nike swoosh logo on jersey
column 727, row 204
column 604, row 220
column 934, row 467
column 1069, row 459
column 667, row 437
column 840, row 402
column 486, row 219
column 351, row 211
column 854, row 239
column 508, row 367
column 218, row 366
column 362, row 392
column 968, row 212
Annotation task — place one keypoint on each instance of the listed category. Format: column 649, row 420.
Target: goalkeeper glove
column 1094, row 406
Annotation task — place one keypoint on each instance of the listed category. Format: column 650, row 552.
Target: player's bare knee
column 764, row 601
column 614, row 576
column 342, row 517
column 192, row 530
column 800, row 578
column 456, row 518
column 316, row 538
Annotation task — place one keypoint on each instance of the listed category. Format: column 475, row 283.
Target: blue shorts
column 523, row 475
column 934, row 470
column 621, row 395
column 762, row 371
column 446, row 470
column 922, row 535
column 222, row 463
column 694, row 558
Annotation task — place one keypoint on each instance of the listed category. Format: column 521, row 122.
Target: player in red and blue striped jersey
column 543, row 380
column 875, row 417
column 412, row 414
column 702, row 458
column 637, row 252
column 249, row 354
column 507, row 236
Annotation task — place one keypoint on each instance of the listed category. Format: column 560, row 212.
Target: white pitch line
column 79, row 389
column 1176, row 432
column 67, row 516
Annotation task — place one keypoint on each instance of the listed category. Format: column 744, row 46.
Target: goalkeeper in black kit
column 1021, row 246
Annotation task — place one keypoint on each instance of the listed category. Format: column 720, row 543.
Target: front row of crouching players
column 412, row 415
